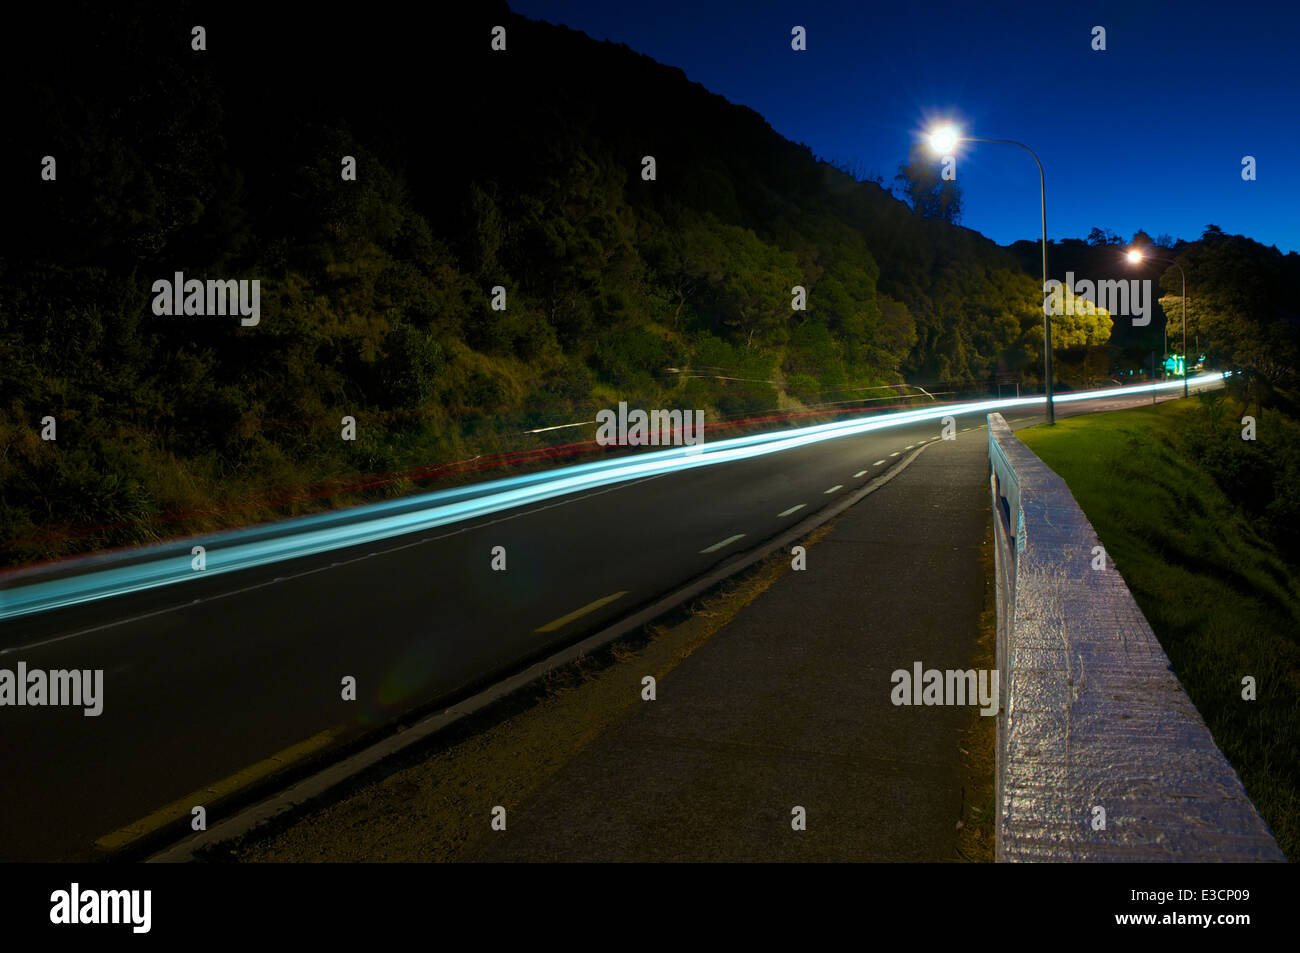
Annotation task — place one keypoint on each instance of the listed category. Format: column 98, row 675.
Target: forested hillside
column 475, row 168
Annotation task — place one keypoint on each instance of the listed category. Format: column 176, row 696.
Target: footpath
column 789, row 705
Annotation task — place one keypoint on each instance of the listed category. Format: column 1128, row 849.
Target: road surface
column 204, row 678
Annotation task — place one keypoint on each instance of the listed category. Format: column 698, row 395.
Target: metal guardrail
column 1006, row 486
column 1101, row 755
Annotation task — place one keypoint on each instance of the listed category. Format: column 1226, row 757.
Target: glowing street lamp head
column 1134, row 256
column 943, row 139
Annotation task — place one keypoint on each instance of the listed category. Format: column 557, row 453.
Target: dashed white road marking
column 858, row 474
column 837, row 486
column 793, row 509
column 726, row 542
column 878, row 463
column 896, row 453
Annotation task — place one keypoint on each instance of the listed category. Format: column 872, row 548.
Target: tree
column 923, row 187
column 748, row 279
column 857, row 170
column 1080, row 322
column 1240, row 305
column 1099, row 237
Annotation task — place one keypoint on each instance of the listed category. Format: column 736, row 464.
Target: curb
column 313, row 787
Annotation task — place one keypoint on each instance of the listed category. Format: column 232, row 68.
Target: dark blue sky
column 1148, row 134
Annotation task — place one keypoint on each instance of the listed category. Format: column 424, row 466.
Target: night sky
column 1148, row 134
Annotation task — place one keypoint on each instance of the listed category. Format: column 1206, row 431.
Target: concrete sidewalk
column 789, row 705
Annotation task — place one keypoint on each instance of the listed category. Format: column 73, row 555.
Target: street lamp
column 1136, row 255
column 942, row 140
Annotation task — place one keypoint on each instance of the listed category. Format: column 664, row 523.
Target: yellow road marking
column 579, row 613
column 182, row 808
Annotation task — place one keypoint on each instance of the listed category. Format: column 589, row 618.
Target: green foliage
column 930, row 195
column 1241, row 305
column 376, row 291
column 1261, row 476
column 1080, row 322
column 629, row 357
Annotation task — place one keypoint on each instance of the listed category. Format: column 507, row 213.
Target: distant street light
column 942, row 141
column 1136, row 255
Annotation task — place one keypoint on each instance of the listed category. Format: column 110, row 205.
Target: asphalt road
column 789, row 703
column 204, row 678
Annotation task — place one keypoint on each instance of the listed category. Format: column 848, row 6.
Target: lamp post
column 942, row 141
column 1136, row 255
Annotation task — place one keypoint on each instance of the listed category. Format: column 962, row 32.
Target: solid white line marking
column 837, row 486
column 726, row 542
column 793, row 509
column 580, row 423
column 858, row 474
column 878, row 463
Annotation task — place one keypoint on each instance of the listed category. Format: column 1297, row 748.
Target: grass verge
column 976, row 829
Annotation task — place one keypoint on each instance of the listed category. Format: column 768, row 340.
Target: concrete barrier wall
column 1091, row 715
